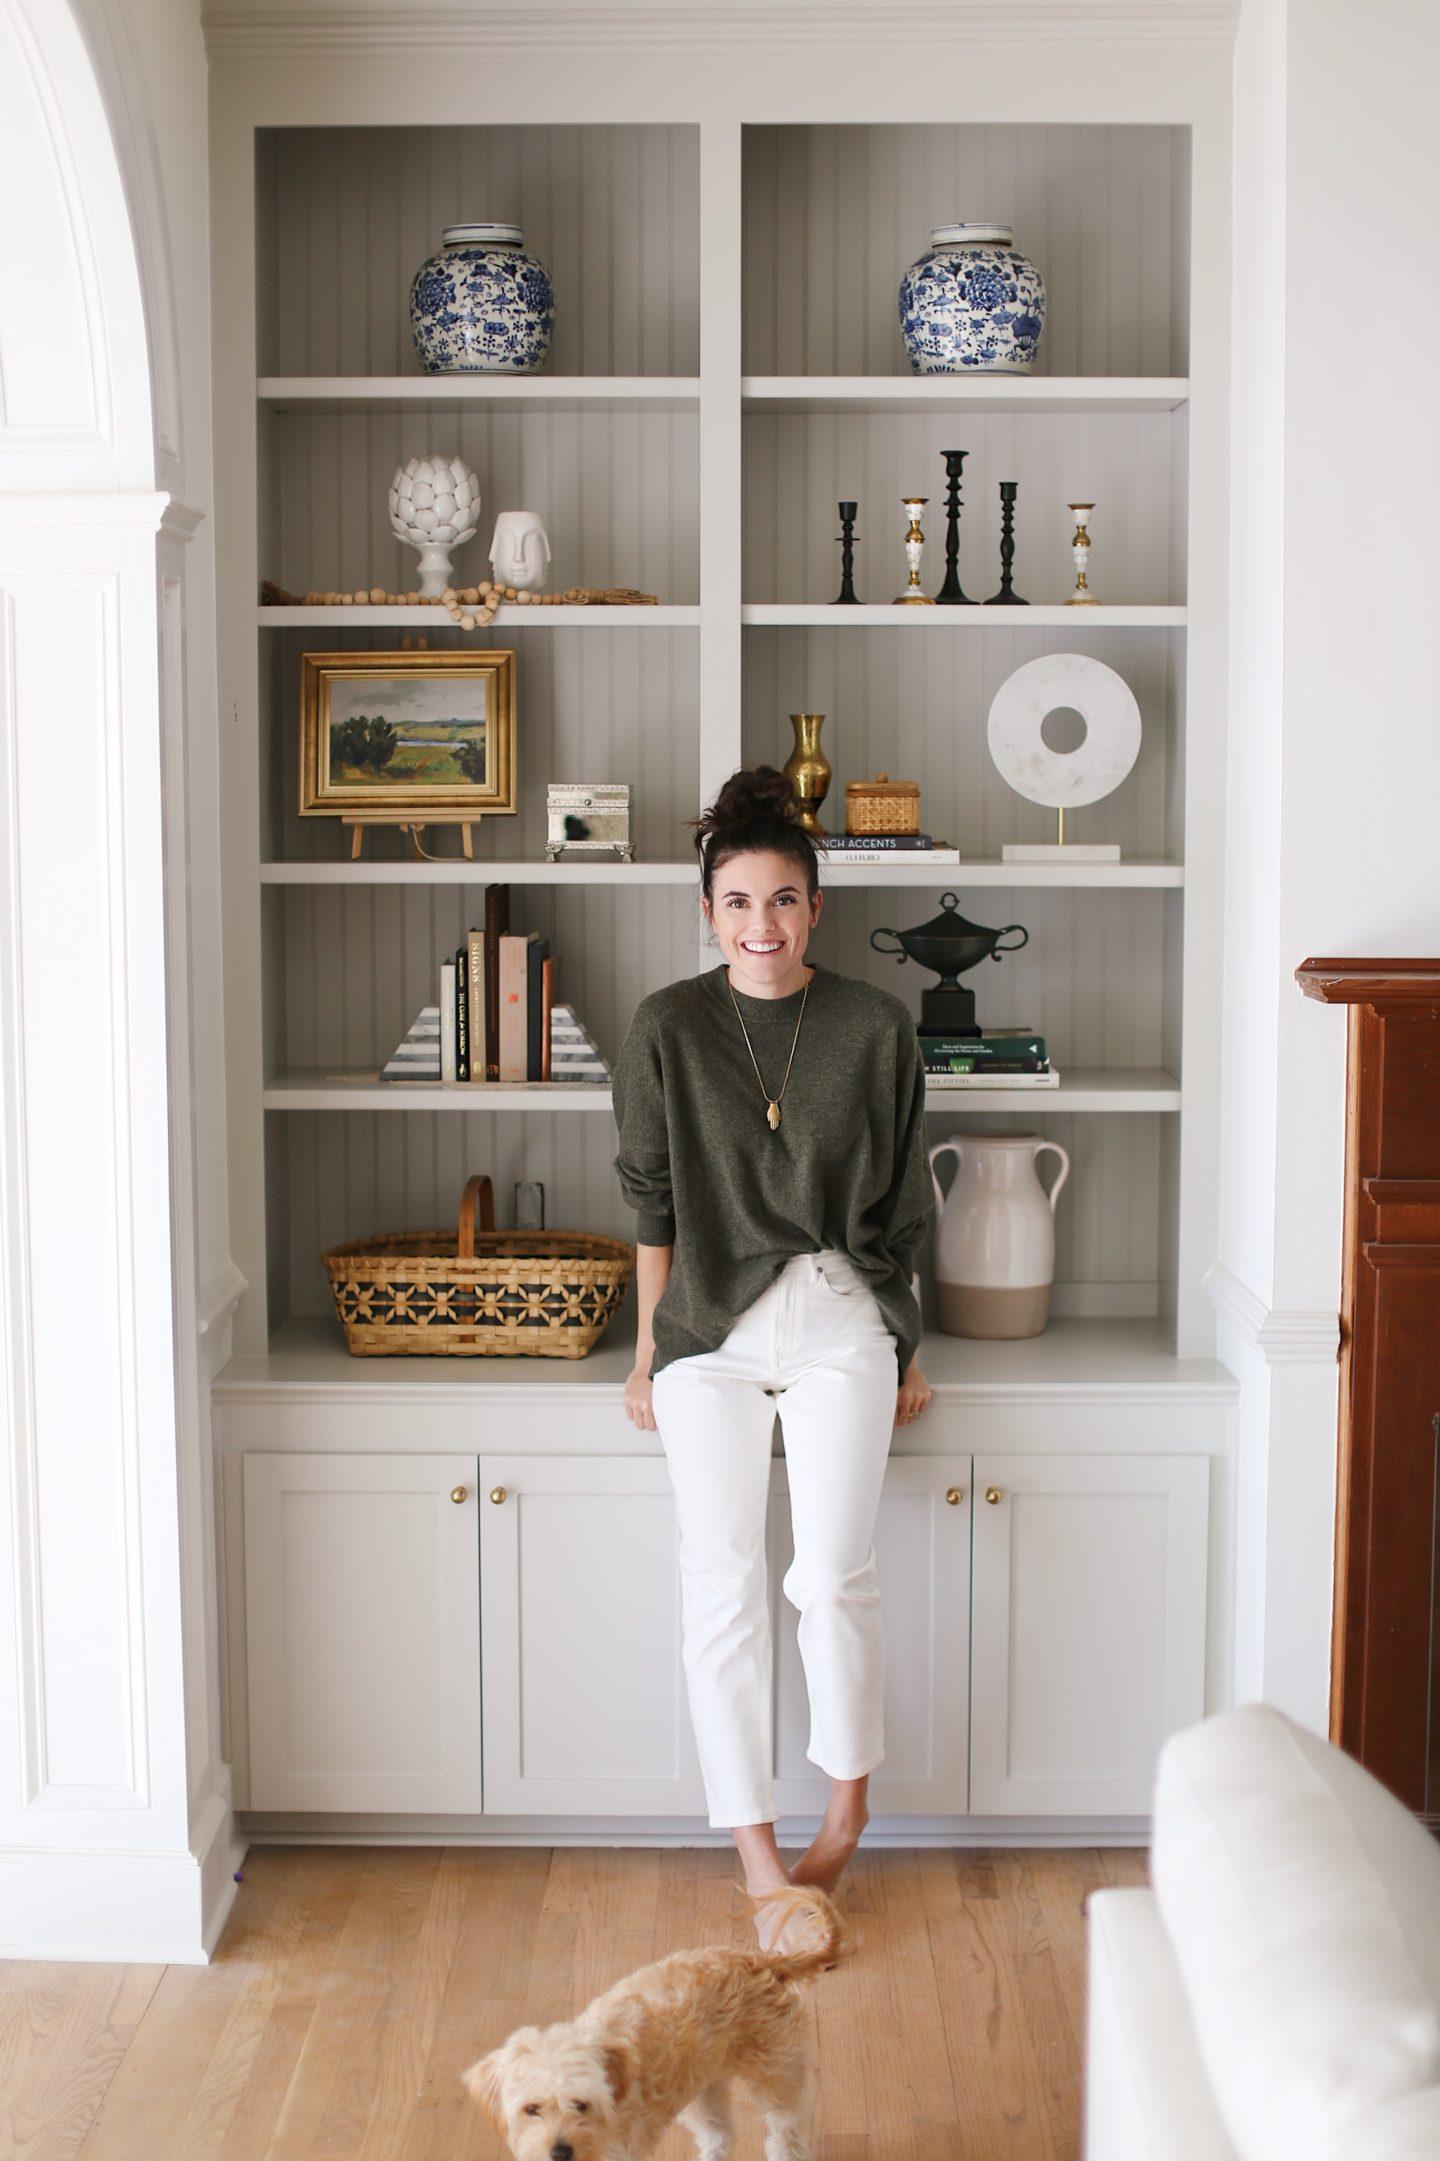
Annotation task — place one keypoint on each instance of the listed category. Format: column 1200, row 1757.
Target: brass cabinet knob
column 497, row 1494
column 955, row 1495
column 993, row 1494
column 457, row 1494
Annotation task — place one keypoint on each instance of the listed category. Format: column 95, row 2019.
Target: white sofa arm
column 1146, row 2094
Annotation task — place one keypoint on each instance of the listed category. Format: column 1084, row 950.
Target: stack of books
column 996, row 1058
column 497, row 1019
column 884, row 848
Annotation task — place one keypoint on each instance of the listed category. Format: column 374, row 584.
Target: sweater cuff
column 655, row 1227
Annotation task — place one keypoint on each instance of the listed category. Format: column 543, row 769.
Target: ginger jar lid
column 950, row 236
column 481, row 235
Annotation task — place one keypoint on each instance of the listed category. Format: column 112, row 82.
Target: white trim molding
column 1282, row 1338
column 180, row 521
column 235, row 26
column 219, row 1298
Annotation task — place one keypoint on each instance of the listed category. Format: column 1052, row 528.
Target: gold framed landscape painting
column 407, row 735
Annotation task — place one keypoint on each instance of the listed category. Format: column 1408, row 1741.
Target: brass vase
column 808, row 770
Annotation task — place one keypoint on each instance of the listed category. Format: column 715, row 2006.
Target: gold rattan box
column 475, row 1292
column 882, row 805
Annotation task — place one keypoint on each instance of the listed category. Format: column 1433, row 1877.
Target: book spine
column 512, row 1006
column 882, row 843
column 547, row 1012
column 475, row 978
column 987, row 1065
column 959, row 1046
column 993, row 1080
column 447, row 1020
column 462, row 1017
column 497, row 922
column 534, row 1017
column 888, row 855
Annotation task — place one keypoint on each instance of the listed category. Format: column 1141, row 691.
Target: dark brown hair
column 754, row 811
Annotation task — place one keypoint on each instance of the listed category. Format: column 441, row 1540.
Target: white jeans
column 814, row 1346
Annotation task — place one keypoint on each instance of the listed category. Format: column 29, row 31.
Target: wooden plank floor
column 354, row 1984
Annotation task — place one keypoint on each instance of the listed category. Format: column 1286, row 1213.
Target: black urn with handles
column 949, row 943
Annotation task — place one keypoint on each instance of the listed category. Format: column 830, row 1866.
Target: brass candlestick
column 913, row 597
column 1082, row 597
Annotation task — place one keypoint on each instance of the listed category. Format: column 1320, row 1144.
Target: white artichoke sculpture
column 434, row 505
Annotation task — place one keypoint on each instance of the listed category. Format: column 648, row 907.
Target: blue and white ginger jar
column 482, row 306
column 972, row 302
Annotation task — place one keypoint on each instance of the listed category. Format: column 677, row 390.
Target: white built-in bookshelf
column 727, row 364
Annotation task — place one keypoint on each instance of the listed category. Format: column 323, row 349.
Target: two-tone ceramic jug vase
column 995, row 1236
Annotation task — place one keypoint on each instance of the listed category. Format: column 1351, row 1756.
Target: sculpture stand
column 1060, row 850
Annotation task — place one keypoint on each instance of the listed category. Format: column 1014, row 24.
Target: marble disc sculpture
column 1064, row 779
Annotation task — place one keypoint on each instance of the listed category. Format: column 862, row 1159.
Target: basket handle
column 477, row 1199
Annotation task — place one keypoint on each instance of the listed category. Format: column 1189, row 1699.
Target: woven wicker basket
column 882, row 805
column 477, row 1292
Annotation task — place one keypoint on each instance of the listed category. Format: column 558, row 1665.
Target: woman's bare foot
column 764, row 1871
column 825, row 1859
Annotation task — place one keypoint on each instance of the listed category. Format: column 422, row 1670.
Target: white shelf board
column 509, row 616
column 1140, row 872
column 1082, row 1088
column 442, row 393
column 462, row 872
column 1072, row 1358
column 885, row 615
column 972, row 394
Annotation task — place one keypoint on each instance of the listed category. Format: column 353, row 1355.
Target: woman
column 771, row 1124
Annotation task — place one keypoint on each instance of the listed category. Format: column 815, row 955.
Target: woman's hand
column 914, row 1394
column 639, row 1406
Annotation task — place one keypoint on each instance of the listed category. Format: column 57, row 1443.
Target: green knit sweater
column 847, row 1165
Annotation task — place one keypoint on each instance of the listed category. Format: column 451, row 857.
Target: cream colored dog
column 663, row 2045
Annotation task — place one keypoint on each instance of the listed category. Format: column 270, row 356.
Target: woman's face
column 762, row 917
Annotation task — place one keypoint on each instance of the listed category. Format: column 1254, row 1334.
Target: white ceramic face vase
column 520, row 551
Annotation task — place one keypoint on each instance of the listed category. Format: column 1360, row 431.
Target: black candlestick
column 847, row 597
column 950, row 595
column 1006, row 598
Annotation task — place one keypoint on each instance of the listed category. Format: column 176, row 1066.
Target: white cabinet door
column 584, row 1693
column 362, row 1632
column 922, row 1551
column 1088, row 1642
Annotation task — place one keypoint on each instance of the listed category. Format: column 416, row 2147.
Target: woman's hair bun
column 754, row 810
column 755, row 791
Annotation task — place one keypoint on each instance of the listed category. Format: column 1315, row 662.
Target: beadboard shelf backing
column 621, row 707
column 617, row 490
column 346, row 216
column 918, row 711
column 799, row 464
column 338, row 1177
column 835, row 215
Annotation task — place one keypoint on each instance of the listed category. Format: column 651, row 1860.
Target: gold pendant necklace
column 772, row 1103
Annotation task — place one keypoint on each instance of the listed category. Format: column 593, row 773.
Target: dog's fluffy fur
column 664, row 2045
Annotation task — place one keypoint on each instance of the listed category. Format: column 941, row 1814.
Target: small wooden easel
column 414, row 827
